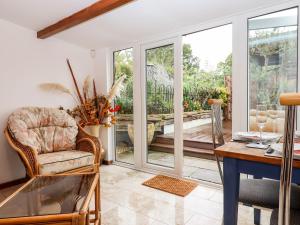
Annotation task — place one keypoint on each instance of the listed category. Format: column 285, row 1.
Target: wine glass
column 273, row 114
column 261, row 120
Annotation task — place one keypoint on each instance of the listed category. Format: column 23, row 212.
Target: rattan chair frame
column 84, row 142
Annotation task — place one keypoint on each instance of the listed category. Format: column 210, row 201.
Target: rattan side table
column 57, row 199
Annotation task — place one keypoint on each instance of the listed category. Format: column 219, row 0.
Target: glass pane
column 48, row 196
column 207, row 70
column 272, row 49
column 124, row 130
column 160, row 105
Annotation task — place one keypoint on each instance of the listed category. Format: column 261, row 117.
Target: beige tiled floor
column 125, row 201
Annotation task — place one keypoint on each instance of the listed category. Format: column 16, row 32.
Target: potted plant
column 150, row 132
column 92, row 110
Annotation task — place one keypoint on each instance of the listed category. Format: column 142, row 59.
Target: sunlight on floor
column 126, row 202
column 195, row 168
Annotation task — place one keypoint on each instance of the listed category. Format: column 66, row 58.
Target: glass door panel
column 272, row 58
column 207, row 73
column 124, row 131
column 160, row 105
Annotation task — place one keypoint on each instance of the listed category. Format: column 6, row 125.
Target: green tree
column 190, row 62
column 225, row 68
column 123, row 64
column 199, row 85
column 163, row 56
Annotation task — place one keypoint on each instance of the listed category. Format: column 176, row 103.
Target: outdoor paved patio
column 202, row 133
column 197, row 167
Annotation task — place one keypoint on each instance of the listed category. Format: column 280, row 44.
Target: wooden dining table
column 237, row 159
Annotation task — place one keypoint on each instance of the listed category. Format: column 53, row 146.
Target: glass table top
column 49, row 195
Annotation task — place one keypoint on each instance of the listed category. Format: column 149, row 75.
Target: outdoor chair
column 256, row 193
column 49, row 141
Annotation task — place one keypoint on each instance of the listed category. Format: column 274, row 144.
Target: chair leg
column 221, row 176
column 219, row 168
column 257, row 213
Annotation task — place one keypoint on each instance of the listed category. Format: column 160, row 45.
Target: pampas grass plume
column 116, row 88
column 55, row 87
column 87, row 85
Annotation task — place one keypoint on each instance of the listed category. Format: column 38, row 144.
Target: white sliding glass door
column 247, row 60
column 162, row 106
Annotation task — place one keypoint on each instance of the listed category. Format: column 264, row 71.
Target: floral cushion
column 43, row 129
column 59, row 162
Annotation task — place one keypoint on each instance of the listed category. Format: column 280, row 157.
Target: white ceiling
column 134, row 21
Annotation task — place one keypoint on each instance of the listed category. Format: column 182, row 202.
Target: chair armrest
column 86, row 142
column 26, row 153
column 86, row 145
column 290, row 99
column 215, row 101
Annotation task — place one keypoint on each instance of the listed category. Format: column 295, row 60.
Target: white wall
column 26, row 61
column 104, row 81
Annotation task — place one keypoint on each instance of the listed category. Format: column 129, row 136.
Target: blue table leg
column 257, row 216
column 231, row 190
column 257, row 212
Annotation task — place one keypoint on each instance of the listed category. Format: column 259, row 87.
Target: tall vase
column 93, row 130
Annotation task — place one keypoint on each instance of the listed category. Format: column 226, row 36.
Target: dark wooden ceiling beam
column 83, row 15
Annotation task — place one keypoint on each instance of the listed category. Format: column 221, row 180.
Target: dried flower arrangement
column 92, row 108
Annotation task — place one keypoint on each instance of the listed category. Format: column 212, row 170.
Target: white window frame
column 240, row 91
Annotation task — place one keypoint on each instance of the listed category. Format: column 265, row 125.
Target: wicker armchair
column 85, row 143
